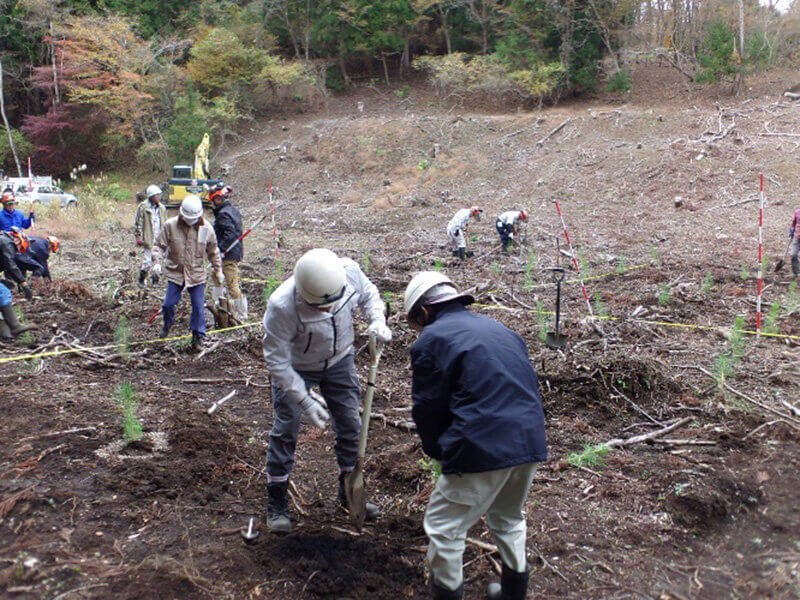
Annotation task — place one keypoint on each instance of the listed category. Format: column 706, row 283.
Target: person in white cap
column 478, row 411
column 150, row 216
column 308, row 341
column 186, row 241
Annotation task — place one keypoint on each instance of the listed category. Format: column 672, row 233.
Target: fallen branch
column 208, row 350
column 645, row 437
column 555, row 131
column 246, row 381
column 55, row 433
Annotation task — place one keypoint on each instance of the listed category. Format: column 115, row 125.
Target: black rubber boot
column 373, row 512
column 513, row 585
column 278, row 508
column 14, row 326
column 442, row 593
column 462, row 253
column 505, row 246
column 197, row 341
column 142, row 278
column 164, row 331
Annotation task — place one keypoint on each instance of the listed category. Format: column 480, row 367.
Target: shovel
column 554, row 339
column 782, row 261
column 354, row 480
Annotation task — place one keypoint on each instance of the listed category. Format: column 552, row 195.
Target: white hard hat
column 152, row 190
column 432, row 281
column 191, row 207
column 320, row 278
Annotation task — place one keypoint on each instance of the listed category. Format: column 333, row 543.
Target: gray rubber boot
column 12, row 322
column 278, row 508
column 5, row 332
column 142, row 278
column 442, row 593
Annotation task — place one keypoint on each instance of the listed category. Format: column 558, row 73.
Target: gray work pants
column 456, row 504
column 339, row 387
column 794, row 252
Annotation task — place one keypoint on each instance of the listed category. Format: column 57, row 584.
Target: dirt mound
column 609, row 385
column 64, row 288
column 704, row 502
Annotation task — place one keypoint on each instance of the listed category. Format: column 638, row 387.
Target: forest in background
column 119, row 82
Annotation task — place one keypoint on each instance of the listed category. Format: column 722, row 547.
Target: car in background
column 46, row 195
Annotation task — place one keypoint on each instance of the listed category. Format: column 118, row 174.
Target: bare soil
column 712, row 513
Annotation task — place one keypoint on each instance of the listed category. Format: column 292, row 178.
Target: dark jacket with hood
column 8, row 266
column 228, row 227
column 476, row 396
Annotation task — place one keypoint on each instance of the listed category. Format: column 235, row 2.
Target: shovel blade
column 354, row 492
column 555, row 341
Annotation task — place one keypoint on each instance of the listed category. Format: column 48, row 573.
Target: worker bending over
column 10, row 327
column 508, row 226
column 308, row 341
column 458, row 226
column 478, row 412
column 36, row 258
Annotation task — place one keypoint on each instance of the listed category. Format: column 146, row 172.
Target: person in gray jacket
column 308, row 341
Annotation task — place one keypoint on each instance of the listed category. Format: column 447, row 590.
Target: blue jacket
column 228, row 227
column 13, row 218
column 476, row 396
column 35, row 258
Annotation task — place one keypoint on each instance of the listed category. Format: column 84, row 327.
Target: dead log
column 645, row 437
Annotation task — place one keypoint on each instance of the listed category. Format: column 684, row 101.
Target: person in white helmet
column 186, row 241
column 308, row 341
column 478, row 411
column 458, row 226
column 150, row 217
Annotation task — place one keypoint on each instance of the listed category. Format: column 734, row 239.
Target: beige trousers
column 459, row 501
column 231, row 270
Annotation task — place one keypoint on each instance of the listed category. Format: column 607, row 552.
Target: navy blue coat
column 476, row 396
column 228, row 227
column 35, row 258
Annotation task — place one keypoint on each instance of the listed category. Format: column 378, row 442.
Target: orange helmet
column 523, row 215
column 220, row 190
column 54, row 243
column 8, row 197
column 20, row 241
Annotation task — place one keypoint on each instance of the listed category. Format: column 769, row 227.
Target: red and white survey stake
column 760, row 280
column 274, row 228
column 574, row 260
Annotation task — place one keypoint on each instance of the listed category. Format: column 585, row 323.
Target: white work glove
column 314, row 412
column 381, row 332
column 315, row 395
column 217, row 292
column 157, row 270
column 219, row 278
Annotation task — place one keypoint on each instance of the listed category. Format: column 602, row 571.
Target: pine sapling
column 591, row 456
column 128, row 401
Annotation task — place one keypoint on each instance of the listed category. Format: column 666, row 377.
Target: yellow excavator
column 188, row 179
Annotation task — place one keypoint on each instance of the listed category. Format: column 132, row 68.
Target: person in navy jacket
column 478, row 411
column 35, row 258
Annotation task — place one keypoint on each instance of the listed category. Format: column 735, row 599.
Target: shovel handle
column 375, row 349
